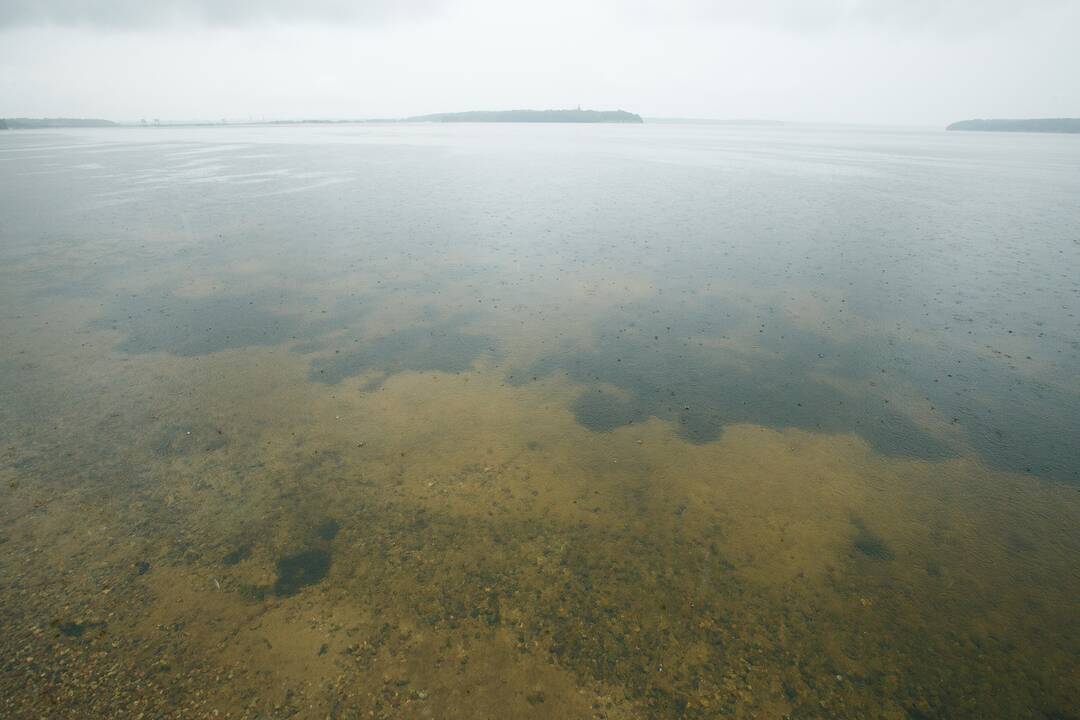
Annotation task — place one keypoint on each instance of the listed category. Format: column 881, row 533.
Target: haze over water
column 499, row 421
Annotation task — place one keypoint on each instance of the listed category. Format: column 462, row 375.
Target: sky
column 894, row 62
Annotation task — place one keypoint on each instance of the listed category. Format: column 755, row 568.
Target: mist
column 898, row 63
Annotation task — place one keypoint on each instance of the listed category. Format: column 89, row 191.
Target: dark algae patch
column 295, row 572
column 71, row 629
column 868, row 543
column 705, row 364
column 327, row 529
column 684, row 363
column 234, row 557
column 441, row 346
column 872, row 546
column 180, row 440
column 603, row 411
column 304, row 568
column 190, row 327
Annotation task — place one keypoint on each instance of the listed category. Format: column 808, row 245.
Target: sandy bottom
column 222, row 540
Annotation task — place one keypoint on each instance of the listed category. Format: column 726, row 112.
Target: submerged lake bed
column 650, row 421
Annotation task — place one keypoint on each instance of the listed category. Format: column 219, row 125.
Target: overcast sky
column 905, row 62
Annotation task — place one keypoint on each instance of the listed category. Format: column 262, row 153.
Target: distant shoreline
column 1032, row 125
column 532, row 116
column 22, row 123
column 1036, row 125
column 474, row 116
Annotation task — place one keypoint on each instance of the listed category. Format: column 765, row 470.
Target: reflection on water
column 663, row 421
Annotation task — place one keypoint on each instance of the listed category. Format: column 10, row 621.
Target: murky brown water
column 539, row 422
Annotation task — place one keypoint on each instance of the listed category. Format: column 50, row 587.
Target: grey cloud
column 796, row 14
column 818, row 14
column 168, row 13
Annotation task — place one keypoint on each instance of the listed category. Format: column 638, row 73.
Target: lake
column 539, row 421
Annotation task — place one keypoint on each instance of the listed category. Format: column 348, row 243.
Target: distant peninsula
column 532, row 116
column 38, row 123
column 1040, row 125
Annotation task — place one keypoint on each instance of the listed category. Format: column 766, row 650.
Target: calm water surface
column 670, row 421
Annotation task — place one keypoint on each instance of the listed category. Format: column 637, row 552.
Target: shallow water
column 539, row 421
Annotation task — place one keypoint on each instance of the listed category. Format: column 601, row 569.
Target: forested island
column 532, row 116
column 38, row 123
column 1043, row 125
